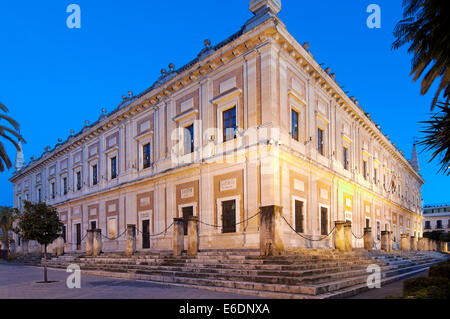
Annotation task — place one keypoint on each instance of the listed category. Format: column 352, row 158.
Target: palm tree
column 6, row 223
column 6, row 132
column 426, row 26
column 437, row 137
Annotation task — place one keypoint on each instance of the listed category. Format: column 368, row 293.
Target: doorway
column 187, row 212
column 93, row 225
column 229, row 216
column 146, row 234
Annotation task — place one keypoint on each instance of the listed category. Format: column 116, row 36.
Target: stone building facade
column 436, row 218
column 251, row 122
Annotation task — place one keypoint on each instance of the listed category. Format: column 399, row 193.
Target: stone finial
column 306, row 46
column 163, row 71
column 171, row 66
column 86, row 123
column 20, row 158
column 256, row 5
column 415, row 159
column 72, row 132
column 103, row 110
column 130, row 93
column 59, row 140
column 207, row 43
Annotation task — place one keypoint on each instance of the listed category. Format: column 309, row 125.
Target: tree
column 426, row 26
column 41, row 223
column 5, row 133
column 6, row 222
column 437, row 137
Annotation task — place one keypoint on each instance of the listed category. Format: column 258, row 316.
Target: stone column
column 178, row 236
column 385, row 240
column 405, row 242
column 413, row 243
column 339, row 237
column 348, row 236
column 390, row 241
column 421, row 244
column 131, row 240
column 192, row 236
column 368, row 240
column 89, row 242
column 60, row 246
column 271, row 231
column 97, row 242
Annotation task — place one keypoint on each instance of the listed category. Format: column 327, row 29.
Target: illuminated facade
column 436, row 218
column 251, row 122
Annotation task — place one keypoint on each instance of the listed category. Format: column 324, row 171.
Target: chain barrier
column 235, row 224
column 114, row 238
column 357, row 236
column 82, row 239
column 304, row 237
column 155, row 235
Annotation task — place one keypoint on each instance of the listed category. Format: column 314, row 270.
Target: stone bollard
column 89, row 242
column 339, row 237
column 178, row 236
column 421, row 244
column 60, row 246
column 192, row 236
column 390, row 241
column 348, row 235
column 368, row 240
column 131, row 240
column 271, row 231
column 97, row 242
column 405, row 242
column 385, row 243
column 413, row 243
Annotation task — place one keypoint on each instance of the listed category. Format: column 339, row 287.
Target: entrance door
column 93, row 225
column 146, row 234
column 187, row 212
column 78, row 234
column 229, row 217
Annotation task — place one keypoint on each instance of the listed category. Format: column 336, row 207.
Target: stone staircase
column 304, row 274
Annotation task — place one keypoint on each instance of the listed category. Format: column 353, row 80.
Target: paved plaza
column 20, row 282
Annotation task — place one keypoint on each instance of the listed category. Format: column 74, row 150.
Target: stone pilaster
column 405, row 242
column 97, row 242
column 413, row 243
column 339, row 237
column 348, row 236
column 131, row 240
column 60, row 246
column 89, row 242
column 368, row 240
column 271, row 231
column 178, row 236
column 193, row 236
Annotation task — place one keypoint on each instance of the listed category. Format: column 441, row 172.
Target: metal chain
column 155, row 235
column 235, row 224
column 310, row 239
column 357, row 236
column 115, row 238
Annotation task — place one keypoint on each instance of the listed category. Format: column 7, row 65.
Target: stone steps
column 315, row 274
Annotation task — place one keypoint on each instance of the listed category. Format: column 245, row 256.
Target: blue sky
column 54, row 78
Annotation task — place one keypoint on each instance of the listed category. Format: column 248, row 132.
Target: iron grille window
column 365, row 169
column 146, row 156
column 78, row 181
column 320, row 147
column 427, row 225
column 52, row 190
column 299, row 217
column 439, row 224
column 229, row 124
column 294, row 125
column 229, row 217
column 114, row 168
column 345, row 157
column 324, row 221
column 94, row 175
column 189, row 139
column 65, row 185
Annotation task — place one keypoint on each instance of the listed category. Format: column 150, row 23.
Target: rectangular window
column 64, row 233
column 427, row 225
column 320, row 145
column 365, row 170
column 367, row 223
column 439, row 224
column 52, row 190
column 189, row 139
column 378, row 230
column 187, row 212
column 112, row 227
column 65, row 185
column 229, row 217
column 146, row 156
column 39, row 195
column 294, row 125
column 94, row 174
column 299, row 217
column 229, row 124
column 345, row 157
column 93, row 225
column 375, row 176
column 323, row 221
column 114, row 167
column 78, row 176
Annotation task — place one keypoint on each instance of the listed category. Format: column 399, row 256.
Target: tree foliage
column 426, row 28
